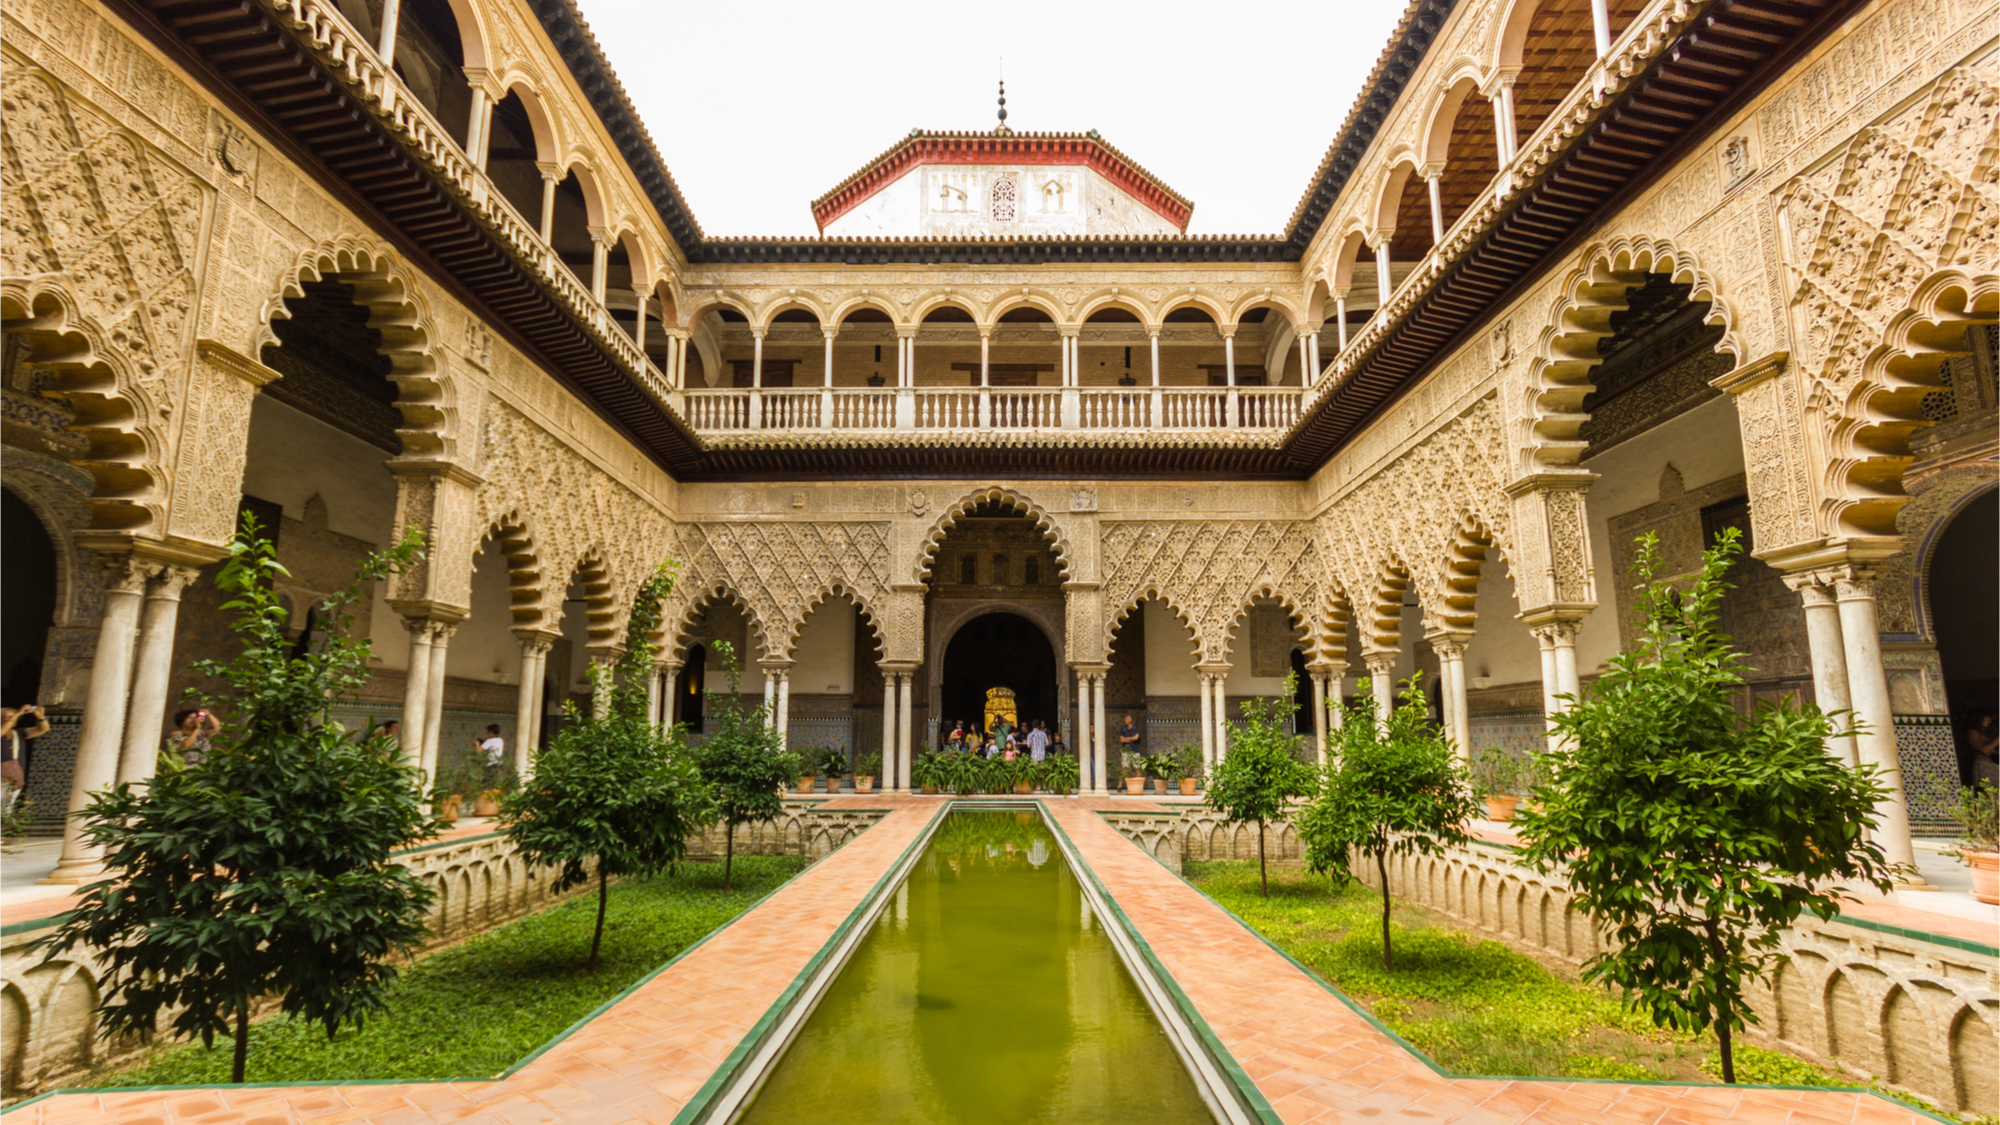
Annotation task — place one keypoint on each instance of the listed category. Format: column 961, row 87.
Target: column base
column 899, row 792
column 1913, row 883
column 1097, row 792
column 74, row 874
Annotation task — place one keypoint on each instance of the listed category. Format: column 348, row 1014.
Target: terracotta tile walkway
column 1317, row 1061
column 1314, row 1058
column 639, row 1062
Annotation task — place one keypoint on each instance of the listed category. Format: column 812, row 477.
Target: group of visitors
column 1004, row 740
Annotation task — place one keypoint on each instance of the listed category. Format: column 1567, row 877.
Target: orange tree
column 1693, row 833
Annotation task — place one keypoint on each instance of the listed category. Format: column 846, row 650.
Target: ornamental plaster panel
column 1209, row 572
column 782, row 570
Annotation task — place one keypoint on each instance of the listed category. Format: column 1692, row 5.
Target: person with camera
column 188, row 742
column 17, row 726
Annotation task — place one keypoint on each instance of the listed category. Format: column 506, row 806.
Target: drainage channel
column 986, row 980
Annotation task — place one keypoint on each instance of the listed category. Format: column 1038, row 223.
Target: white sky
column 759, row 106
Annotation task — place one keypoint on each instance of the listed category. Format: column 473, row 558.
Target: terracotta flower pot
column 864, row 784
column 1135, row 786
column 1187, row 786
column 1985, row 874
column 1501, row 806
column 1160, row 786
column 806, row 783
column 930, row 790
column 487, row 803
column 448, row 808
column 1024, row 786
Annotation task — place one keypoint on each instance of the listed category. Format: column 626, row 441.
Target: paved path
column 1312, row 1056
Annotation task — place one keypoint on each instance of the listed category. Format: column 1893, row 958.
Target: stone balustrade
column 1919, row 1012
column 1265, row 410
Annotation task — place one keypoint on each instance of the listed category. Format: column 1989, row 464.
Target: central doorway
column 998, row 650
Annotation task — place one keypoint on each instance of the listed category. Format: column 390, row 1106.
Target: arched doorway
column 30, row 605
column 998, row 650
column 1965, row 610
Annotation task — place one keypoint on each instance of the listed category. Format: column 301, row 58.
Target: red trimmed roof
column 926, row 147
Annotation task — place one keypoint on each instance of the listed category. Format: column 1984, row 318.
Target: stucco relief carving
column 208, row 477
column 121, row 223
column 575, row 507
column 1413, row 508
column 782, row 571
column 1209, row 571
column 1886, row 220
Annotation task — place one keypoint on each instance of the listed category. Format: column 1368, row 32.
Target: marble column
column 1319, row 714
column 1559, row 671
column 771, row 697
column 603, row 681
column 434, row 698
column 146, row 719
column 1221, row 715
column 1600, row 26
column 670, row 703
column 551, row 175
column 1450, row 649
column 103, row 712
column 1340, row 320
column 903, row 733
column 1207, row 721
column 1874, row 722
column 1384, row 285
column 1431, row 176
column 1382, row 687
column 1100, row 744
column 1829, row 662
column 385, row 46
column 890, row 778
column 528, row 700
column 784, row 713
column 416, row 691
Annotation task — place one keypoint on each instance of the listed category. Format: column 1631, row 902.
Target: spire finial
column 1003, row 130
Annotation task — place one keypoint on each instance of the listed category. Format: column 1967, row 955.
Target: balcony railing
column 913, row 409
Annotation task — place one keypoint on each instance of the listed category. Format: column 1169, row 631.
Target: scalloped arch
column 520, row 545
column 716, row 590
column 996, row 494
column 1152, row 592
column 398, row 309
column 1565, row 350
column 113, row 412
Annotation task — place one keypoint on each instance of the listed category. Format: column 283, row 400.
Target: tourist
column 14, row 740
column 957, row 739
column 494, row 749
column 1985, row 741
column 392, row 733
column 1038, row 741
column 189, row 742
column 1128, row 735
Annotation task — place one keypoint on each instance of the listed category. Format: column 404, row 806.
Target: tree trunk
column 728, row 853
column 1263, row 875
column 242, row 1039
column 1382, row 866
column 1728, row 1057
column 603, row 892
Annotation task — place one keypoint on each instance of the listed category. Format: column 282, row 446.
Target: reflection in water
column 989, row 998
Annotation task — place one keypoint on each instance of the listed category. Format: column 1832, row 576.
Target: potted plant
column 832, row 766
column 1497, row 775
column 924, row 772
column 448, row 794
column 1187, row 763
column 1135, row 773
column 1978, row 815
column 864, row 778
column 498, row 781
column 1060, row 774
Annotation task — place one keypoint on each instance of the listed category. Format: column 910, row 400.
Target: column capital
column 908, row 331
column 1153, row 330
column 536, row 641
column 1381, row 238
column 1380, row 663
column 1501, row 78
column 758, row 333
column 1449, row 643
column 170, row 581
column 1212, row 669
column 1833, row 557
column 428, row 611
column 1069, row 329
column 1083, row 668
column 830, row 331
column 1432, row 170
column 480, row 77
column 601, row 236
column 1556, row 634
column 549, row 169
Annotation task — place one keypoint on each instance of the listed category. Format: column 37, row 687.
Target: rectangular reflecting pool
column 986, row 991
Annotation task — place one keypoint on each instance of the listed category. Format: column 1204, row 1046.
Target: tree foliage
column 1693, row 833
column 614, row 795
column 744, row 760
column 263, row 869
column 1262, row 772
column 1394, row 790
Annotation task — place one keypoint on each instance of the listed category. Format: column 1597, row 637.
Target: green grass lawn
column 1476, row 1006
column 476, row 1008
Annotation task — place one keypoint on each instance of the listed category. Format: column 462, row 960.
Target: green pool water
column 985, row 992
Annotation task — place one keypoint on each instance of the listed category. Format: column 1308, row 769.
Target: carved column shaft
column 434, row 696
column 1382, row 686
column 1874, row 720
column 103, row 712
column 145, row 724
